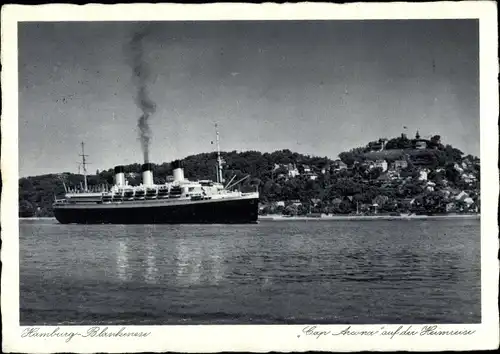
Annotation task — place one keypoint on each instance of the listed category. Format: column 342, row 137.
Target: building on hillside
column 377, row 145
column 308, row 172
column 461, row 196
column 393, row 175
column 382, row 164
column 292, row 170
column 422, row 175
column 430, row 186
column 458, row 168
column 400, row 164
column 469, row 178
column 420, row 144
column 338, row 165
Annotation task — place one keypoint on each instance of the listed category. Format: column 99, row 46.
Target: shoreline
column 339, row 217
column 38, row 218
column 367, row 217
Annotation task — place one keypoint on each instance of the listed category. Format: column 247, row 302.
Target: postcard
column 249, row 177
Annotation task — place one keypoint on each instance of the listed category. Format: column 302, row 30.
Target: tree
column 348, row 158
column 375, row 173
column 452, row 174
column 26, row 209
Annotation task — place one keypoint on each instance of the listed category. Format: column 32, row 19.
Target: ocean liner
column 175, row 202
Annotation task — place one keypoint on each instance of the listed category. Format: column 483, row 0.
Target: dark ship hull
column 225, row 211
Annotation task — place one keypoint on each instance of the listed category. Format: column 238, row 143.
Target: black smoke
column 143, row 100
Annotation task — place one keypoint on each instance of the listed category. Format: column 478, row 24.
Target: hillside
column 397, row 177
column 37, row 193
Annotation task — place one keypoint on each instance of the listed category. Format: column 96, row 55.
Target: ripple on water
column 418, row 271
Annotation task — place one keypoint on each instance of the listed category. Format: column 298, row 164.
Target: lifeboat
column 139, row 194
column 162, row 192
column 118, row 196
column 175, row 192
column 151, row 193
column 128, row 194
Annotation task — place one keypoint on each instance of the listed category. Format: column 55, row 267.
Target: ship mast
column 219, row 163
column 84, row 166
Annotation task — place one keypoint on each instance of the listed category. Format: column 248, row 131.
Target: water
column 339, row 272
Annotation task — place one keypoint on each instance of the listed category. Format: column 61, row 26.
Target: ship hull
column 240, row 211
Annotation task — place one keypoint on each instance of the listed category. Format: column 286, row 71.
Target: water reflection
column 199, row 262
column 151, row 274
column 122, row 260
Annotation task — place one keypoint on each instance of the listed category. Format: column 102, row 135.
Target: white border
column 245, row 337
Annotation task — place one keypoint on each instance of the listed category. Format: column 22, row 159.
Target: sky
column 314, row 87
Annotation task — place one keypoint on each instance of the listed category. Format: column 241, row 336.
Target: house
column 420, row 144
column 292, row 170
column 382, row 164
column 339, row 165
column 461, row 196
column 400, row 164
column 422, row 175
column 393, row 175
column 430, row 186
column 308, row 172
column 469, row 201
column 469, row 178
column 458, row 168
column 377, row 145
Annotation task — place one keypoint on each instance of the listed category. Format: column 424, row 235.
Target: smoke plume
column 143, row 100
